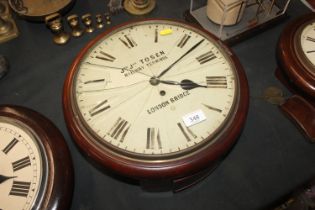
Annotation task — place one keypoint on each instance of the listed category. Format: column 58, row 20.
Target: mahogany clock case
column 176, row 168
column 60, row 178
column 293, row 64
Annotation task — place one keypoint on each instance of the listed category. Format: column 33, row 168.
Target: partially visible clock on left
column 35, row 164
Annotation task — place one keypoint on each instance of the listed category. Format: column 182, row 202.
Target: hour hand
column 185, row 84
column 5, row 178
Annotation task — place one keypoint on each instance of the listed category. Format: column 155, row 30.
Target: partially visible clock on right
column 296, row 61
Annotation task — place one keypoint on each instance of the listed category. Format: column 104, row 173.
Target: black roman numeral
column 310, row 39
column 119, row 129
column 206, row 57
column 212, row 108
column 216, row 82
column 156, row 36
column 128, row 41
column 153, row 138
column 99, row 108
column 20, row 188
column 94, row 81
column 184, row 130
column 105, row 57
column 8, row 148
column 183, row 41
column 22, row 163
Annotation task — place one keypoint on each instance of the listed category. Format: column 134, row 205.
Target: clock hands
column 185, row 84
column 5, row 178
column 180, row 58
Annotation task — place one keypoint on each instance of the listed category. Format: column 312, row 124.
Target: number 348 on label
column 194, row 118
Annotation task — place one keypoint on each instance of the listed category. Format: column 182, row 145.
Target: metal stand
column 257, row 15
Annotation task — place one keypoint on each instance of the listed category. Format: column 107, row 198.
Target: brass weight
column 54, row 23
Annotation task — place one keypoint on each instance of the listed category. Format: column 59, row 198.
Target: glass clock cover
column 154, row 92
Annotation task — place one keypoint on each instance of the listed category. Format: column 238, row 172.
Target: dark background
column 270, row 159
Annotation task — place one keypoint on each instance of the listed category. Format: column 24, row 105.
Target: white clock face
column 155, row 88
column 308, row 43
column 21, row 168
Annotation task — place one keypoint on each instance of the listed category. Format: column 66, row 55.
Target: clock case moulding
column 294, row 75
column 60, row 178
column 175, row 175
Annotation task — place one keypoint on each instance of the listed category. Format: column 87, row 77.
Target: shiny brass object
column 139, row 7
column 99, row 21
column 37, row 10
column 273, row 95
column 8, row 29
column 54, row 23
column 107, row 18
column 74, row 23
column 87, row 21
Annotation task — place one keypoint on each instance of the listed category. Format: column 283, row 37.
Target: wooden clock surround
column 175, row 174
column 60, row 179
column 295, row 72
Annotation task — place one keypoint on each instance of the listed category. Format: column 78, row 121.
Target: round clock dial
column 153, row 92
column 296, row 54
column 23, row 168
column 307, row 43
column 30, row 176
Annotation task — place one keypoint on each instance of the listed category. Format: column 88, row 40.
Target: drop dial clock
column 35, row 170
column 296, row 54
column 296, row 58
column 155, row 100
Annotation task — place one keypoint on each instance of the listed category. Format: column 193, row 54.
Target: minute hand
column 189, row 51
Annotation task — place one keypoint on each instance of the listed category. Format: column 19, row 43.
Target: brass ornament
column 99, row 21
column 74, row 23
column 139, row 7
column 108, row 18
column 54, row 23
column 8, row 29
column 38, row 9
column 87, row 21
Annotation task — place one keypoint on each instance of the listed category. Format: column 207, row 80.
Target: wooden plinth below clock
column 296, row 59
column 159, row 101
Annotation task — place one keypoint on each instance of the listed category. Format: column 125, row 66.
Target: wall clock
column 36, row 169
column 158, row 101
column 296, row 58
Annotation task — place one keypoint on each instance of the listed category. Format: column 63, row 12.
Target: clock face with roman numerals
column 22, row 170
column 307, row 43
column 296, row 54
column 154, row 92
column 35, row 165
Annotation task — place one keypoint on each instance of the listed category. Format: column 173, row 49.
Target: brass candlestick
column 74, row 23
column 139, row 7
column 54, row 23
